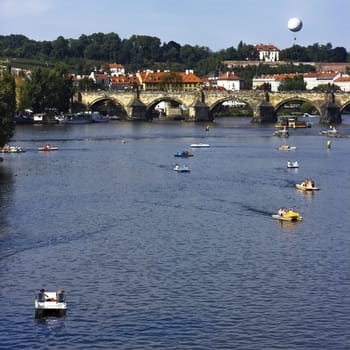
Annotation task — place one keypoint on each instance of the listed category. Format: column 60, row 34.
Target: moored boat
column 292, row 122
column 99, row 118
column 78, row 118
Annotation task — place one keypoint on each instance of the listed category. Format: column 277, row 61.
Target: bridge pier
column 330, row 112
column 264, row 112
column 136, row 110
column 199, row 111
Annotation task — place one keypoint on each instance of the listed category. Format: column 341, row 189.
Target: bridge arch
column 344, row 106
column 104, row 100
column 150, row 107
column 280, row 104
column 217, row 103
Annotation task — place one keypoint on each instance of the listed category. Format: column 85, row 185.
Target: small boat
column 181, row 168
column 286, row 148
column 183, row 154
column 289, row 215
column 332, row 131
column 281, row 133
column 50, row 303
column 12, row 149
column 47, row 148
column 292, row 164
column 307, row 185
column 199, row 145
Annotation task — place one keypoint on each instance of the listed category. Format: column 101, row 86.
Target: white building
column 230, row 82
column 116, row 69
column 273, row 81
column 313, row 80
column 343, row 82
column 268, row 52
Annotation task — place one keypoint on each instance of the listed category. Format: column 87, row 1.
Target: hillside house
column 116, row 69
column 267, row 52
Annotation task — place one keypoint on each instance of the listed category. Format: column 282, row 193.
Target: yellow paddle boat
column 307, row 185
column 287, row 215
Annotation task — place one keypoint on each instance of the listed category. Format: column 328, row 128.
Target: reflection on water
column 154, row 259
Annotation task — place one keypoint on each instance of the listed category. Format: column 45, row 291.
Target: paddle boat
column 281, row 133
column 287, row 215
column 286, row 148
column 50, row 303
column 199, row 145
column 47, row 148
column 291, row 164
column 181, row 168
column 307, row 185
column 183, row 154
column 11, row 149
column 332, row 131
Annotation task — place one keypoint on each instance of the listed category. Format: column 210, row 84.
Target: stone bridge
column 200, row 105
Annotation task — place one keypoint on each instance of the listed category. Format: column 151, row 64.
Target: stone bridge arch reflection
column 168, row 108
column 231, row 106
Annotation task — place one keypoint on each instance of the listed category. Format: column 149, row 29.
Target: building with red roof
column 169, row 81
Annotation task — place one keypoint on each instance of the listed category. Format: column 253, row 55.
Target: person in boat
column 281, row 211
column 42, row 296
column 177, row 166
column 60, row 296
column 290, row 210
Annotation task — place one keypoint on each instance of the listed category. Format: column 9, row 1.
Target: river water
column 153, row 259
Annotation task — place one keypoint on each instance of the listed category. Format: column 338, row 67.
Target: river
column 154, row 259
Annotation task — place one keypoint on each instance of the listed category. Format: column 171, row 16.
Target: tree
column 293, row 84
column 48, row 89
column 7, row 105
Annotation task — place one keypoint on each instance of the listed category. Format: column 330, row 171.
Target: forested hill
column 141, row 51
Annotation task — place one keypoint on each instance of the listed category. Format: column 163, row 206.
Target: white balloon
column 295, row 24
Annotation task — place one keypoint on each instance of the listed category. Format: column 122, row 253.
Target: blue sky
column 216, row 24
